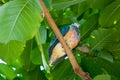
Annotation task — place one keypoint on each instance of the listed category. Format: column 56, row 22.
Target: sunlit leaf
column 19, row 20
column 11, row 51
column 4, row 1
column 102, row 77
column 7, row 71
column 35, row 56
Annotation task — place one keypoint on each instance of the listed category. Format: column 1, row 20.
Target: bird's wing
column 63, row 31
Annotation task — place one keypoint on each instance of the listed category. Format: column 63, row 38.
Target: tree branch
column 77, row 69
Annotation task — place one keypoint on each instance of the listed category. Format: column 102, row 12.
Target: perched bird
column 71, row 35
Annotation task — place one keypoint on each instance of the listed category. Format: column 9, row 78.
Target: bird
column 71, row 35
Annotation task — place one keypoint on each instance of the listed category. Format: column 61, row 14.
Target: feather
column 71, row 35
column 63, row 31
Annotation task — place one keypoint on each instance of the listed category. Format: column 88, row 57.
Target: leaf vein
column 15, row 21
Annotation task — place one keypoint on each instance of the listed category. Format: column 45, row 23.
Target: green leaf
column 45, row 49
column 35, row 74
column 102, row 37
column 47, row 3
column 64, row 17
column 115, row 50
column 96, row 66
column 11, row 51
column 1, row 77
column 32, row 62
column 64, row 4
column 102, row 77
column 79, row 8
column 19, row 20
column 35, row 56
column 110, row 15
column 4, row 1
column 1, row 3
column 25, row 56
column 98, row 4
column 63, row 71
column 105, row 55
column 43, row 33
column 88, row 26
column 7, row 71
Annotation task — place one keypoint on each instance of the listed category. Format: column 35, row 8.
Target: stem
column 38, row 39
column 72, row 59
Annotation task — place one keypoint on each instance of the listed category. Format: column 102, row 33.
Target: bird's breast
column 71, row 38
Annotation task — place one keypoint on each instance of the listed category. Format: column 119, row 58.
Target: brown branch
column 77, row 69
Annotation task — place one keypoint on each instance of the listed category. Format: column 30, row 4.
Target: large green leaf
column 63, row 17
column 88, row 26
column 11, row 51
column 79, row 8
column 35, row 56
column 59, row 4
column 100, row 4
column 102, row 37
column 19, row 20
column 63, row 71
column 114, row 49
column 110, row 15
column 105, row 55
column 25, row 57
column 7, row 71
column 96, row 66
column 35, row 74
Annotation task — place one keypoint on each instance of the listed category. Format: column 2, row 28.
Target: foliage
column 25, row 37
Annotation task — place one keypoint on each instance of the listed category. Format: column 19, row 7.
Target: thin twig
column 77, row 69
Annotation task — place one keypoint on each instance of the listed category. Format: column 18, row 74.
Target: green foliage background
column 25, row 37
